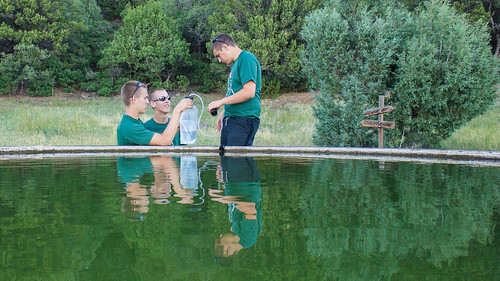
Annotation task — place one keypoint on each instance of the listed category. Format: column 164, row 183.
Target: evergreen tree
column 68, row 32
column 445, row 76
column 25, row 70
column 148, row 47
column 271, row 31
column 437, row 66
column 351, row 49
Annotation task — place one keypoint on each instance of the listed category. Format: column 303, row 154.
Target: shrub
column 271, row 31
column 351, row 49
column 24, row 70
column 445, row 76
column 437, row 66
column 149, row 46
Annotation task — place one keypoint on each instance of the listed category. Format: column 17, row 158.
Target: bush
column 271, row 31
column 445, row 76
column 437, row 66
column 24, row 70
column 351, row 49
column 149, row 46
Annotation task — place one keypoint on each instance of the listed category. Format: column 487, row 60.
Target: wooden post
column 380, row 119
column 380, row 123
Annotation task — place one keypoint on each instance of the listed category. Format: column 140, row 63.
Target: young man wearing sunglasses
column 131, row 130
column 240, row 118
column 159, row 100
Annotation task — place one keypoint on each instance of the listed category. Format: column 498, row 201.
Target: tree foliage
column 149, row 46
column 69, row 32
column 25, row 69
column 271, row 31
column 436, row 65
column 445, row 76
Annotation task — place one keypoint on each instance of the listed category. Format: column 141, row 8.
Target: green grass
column 63, row 121
column 481, row 133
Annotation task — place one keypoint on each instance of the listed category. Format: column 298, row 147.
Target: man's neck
column 160, row 118
column 132, row 113
column 235, row 53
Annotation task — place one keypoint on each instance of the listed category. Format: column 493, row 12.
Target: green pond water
column 176, row 217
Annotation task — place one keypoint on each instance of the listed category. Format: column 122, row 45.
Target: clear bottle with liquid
column 189, row 124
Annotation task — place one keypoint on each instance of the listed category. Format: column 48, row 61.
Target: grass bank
column 77, row 121
column 481, row 133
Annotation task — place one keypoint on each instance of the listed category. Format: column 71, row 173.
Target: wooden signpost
column 380, row 123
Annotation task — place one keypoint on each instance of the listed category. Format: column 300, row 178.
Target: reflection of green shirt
column 245, row 68
column 159, row 128
column 131, row 169
column 242, row 178
column 247, row 229
column 131, row 131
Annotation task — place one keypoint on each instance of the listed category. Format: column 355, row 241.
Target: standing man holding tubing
column 240, row 118
column 131, row 130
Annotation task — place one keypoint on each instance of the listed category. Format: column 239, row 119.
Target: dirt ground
column 293, row 97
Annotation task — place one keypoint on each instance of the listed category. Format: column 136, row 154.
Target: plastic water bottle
column 189, row 124
column 189, row 172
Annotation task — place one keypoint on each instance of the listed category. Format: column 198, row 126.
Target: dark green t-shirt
column 131, row 131
column 159, row 128
column 131, row 169
column 245, row 68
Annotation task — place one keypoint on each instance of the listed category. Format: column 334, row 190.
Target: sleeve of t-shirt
column 139, row 135
column 248, row 69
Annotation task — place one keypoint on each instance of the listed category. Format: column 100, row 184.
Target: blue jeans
column 238, row 131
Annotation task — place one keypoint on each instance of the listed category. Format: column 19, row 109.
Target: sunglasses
column 139, row 84
column 162, row 98
column 218, row 40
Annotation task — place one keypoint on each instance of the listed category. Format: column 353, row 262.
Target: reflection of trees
column 370, row 223
column 42, row 238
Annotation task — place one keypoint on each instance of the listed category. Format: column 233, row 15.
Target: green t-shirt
column 131, row 131
column 159, row 128
column 131, row 169
column 245, row 68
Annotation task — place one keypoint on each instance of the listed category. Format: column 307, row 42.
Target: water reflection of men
column 130, row 172
column 242, row 194
column 143, row 190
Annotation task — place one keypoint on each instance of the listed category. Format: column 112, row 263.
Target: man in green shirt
column 131, row 130
column 159, row 100
column 240, row 118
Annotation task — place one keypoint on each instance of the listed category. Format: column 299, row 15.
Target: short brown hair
column 128, row 90
column 222, row 39
column 150, row 94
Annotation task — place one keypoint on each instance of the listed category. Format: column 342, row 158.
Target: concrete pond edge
column 471, row 157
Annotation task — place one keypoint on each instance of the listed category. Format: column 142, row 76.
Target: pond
column 205, row 217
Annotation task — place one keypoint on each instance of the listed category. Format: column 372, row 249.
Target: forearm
column 246, row 93
column 240, row 96
column 167, row 137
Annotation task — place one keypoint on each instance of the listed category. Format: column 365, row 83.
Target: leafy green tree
column 43, row 23
column 25, row 70
column 271, row 31
column 435, row 64
column 149, row 45
column 112, row 9
column 352, row 47
column 72, row 32
column 445, row 76
column 191, row 16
